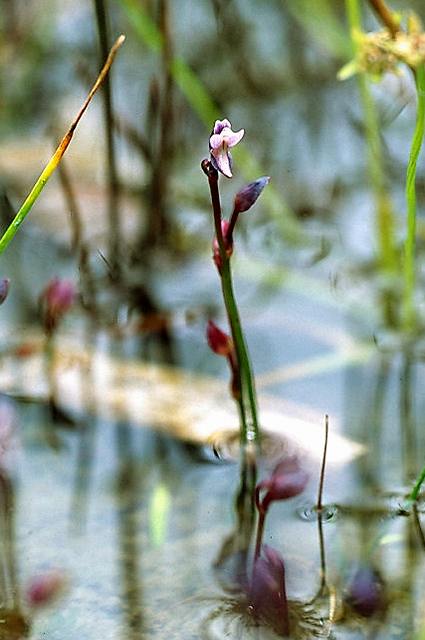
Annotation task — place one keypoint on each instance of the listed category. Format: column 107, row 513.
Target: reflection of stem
column 418, row 525
column 113, row 182
column 407, row 418
column 322, row 550
column 10, row 593
column 128, row 494
column 245, row 507
column 52, row 437
column 320, row 509
column 323, row 467
column 260, row 532
column 237, row 545
column 86, row 444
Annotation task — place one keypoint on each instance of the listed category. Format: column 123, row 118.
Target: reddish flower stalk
column 221, row 139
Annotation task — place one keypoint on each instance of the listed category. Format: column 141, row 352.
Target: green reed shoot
column 58, row 154
column 410, row 242
column 414, row 494
column 384, row 214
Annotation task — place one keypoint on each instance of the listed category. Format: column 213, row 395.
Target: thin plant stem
column 78, row 244
column 232, row 222
column 418, row 527
column 57, row 156
column 384, row 213
column 323, row 467
column 323, row 581
column 260, row 532
column 410, row 242
column 386, row 16
column 247, row 379
column 413, row 496
column 163, row 111
column 248, row 402
column 111, row 163
column 319, row 509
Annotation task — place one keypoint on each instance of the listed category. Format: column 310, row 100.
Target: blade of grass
column 410, row 242
column 384, row 214
column 58, row 154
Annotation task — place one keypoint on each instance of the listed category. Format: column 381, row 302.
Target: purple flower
column 267, row 591
column 221, row 140
column 287, row 481
column 249, row 194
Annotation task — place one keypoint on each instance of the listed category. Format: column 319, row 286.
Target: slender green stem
column 410, row 242
column 57, row 156
column 248, row 400
column 247, row 378
column 415, row 491
column 384, row 213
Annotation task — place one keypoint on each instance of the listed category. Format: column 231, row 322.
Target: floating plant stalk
column 58, row 154
column 410, row 242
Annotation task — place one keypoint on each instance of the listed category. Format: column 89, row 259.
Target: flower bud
column 4, row 289
column 218, row 341
column 249, row 194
